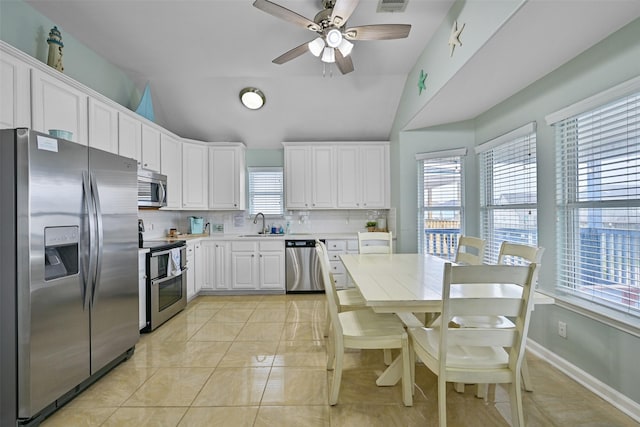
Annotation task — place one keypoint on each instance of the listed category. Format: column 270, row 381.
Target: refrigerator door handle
column 90, row 265
column 99, row 239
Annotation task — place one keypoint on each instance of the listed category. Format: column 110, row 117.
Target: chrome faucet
column 264, row 226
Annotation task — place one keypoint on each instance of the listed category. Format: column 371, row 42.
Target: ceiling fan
column 333, row 42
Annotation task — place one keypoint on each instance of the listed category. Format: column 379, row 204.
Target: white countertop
column 247, row 236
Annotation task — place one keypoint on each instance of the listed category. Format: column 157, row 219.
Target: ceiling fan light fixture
column 328, row 55
column 345, row 47
column 316, row 46
column 334, row 37
column 252, row 98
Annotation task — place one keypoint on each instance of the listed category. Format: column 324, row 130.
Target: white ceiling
column 198, row 54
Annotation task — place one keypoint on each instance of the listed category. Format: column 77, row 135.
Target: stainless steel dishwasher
column 303, row 267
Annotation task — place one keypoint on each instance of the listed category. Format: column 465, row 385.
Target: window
column 598, row 200
column 440, row 201
column 508, row 196
column 266, row 190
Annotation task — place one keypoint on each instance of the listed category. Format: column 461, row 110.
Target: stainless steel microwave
column 152, row 189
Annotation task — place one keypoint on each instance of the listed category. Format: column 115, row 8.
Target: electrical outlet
column 562, row 329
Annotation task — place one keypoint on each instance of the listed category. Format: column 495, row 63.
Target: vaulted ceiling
column 197, row 55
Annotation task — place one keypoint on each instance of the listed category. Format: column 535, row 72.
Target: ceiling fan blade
column 345, row 64
column 292, row 54
column 378, row 32
column 342, row 10
column 286, row 14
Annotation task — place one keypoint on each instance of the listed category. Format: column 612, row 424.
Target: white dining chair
column 376, row 242
column 361, row 329
column 347, row 299
column 470, row 250
column 478, row 355
column 510, row 254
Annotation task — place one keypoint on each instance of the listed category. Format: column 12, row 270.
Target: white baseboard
column 614, row 397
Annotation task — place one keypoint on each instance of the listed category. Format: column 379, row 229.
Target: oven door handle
column 164, row 279
column 156, row 254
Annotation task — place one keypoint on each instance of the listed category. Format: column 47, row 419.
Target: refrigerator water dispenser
column 60, row 252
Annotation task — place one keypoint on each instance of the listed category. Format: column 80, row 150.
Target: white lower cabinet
column 215, row 269
column 142, row 289
column 191, row 267
column 257, row 265
column 335, row 248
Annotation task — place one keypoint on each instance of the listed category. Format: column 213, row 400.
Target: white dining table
column 412, row 283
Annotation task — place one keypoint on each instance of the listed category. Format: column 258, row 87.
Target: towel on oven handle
column 173, row 269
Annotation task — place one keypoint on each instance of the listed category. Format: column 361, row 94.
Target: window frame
column 571, row 285
column 251, row 170
column 441, row 244
column 489, row 206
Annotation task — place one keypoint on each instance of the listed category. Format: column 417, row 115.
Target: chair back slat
column 476, row 337
column 470, row 250
column 379, row 242
column 478, row 307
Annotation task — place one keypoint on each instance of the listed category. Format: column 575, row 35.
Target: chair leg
column 388, row 359
column 515, row 394
column 442, row 401
column 407, row 378
column 459, row 387
column 526, row 378
column 327, row 324
column 331, row 352
column 482, row 391
column 337, row 374
column 412, row 365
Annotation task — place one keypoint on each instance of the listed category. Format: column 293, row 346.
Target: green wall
column 605, row 352
column 26, row 29
column 264, row 157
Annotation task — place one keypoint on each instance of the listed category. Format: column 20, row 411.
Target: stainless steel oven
column 166, row 281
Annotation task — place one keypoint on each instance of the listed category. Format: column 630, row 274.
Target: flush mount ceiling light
column 252, row 98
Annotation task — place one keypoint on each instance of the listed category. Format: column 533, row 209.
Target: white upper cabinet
column 363, row 176
column 309, row 176
column 103, row 126
column 129, row 137
column 57, row 105
column 227, row 174
column 15, row 108
column 195, row 173
column 150, row 148
column 171, row 166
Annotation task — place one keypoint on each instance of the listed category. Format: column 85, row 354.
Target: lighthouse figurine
column 55, row 49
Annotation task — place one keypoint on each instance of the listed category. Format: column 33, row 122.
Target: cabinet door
column 296, row 178
column 272, row 270
column 150, row 148
column 225, row 178
column 194, row 176
column 15, row 108
column 348, row 172
column 103, row 126
column 171, row 166
column 244, row 272
column 375, row 176
column 56, row 105
column 208, row 264
column 191, row 267
column 221, row 268
column 198, row 270
column 129, row 137
column 323, row 187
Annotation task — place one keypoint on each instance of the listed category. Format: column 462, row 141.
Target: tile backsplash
column 158, row 222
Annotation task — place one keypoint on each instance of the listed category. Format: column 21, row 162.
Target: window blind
column 440, row 210
column 508, row 191
column 266, row 190
column 598, row 198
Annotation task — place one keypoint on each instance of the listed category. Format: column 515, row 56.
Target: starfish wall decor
column 421, row 79
column 454, row 38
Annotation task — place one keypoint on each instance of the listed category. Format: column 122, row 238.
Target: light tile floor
column 260, row 361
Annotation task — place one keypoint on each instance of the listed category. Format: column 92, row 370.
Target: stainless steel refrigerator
column 68, row 270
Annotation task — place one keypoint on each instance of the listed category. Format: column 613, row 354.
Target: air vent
column 392, row 5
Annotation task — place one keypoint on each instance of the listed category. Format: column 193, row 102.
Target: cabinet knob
column 146, row 164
